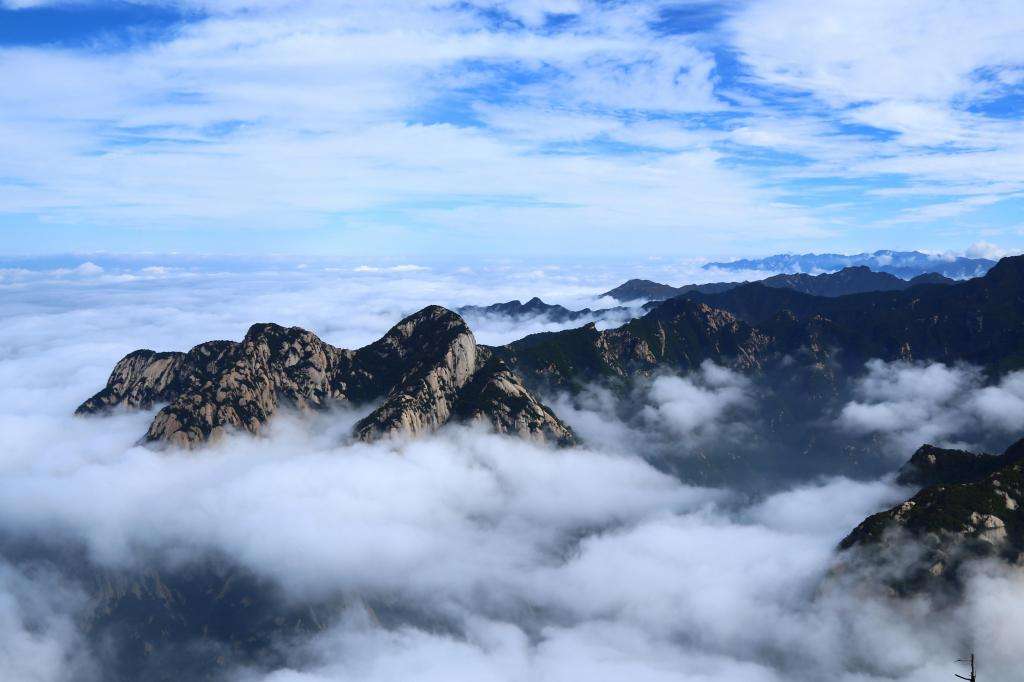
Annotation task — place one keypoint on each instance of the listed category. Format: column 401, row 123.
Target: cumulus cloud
column 912, row 404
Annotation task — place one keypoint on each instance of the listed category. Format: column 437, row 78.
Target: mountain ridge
column 420, row 369
column 418, row 372
column 849, row 280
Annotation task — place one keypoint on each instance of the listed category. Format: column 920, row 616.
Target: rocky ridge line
column 420, row 371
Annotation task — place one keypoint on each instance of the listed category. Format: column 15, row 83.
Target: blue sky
column 529, row 128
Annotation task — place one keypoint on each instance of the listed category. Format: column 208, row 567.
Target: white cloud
column 304, row 116
column 888, row 66
column 986, row 250
column 874, row 51
column 698, row 406
column 914, row 404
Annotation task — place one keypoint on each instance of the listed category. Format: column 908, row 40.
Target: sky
column 496, row 128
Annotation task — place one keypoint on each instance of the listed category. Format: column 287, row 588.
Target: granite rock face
column 497, row 396
column 418, row 372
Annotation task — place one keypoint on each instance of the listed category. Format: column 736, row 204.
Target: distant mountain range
column 850, row 280
column 905, row 264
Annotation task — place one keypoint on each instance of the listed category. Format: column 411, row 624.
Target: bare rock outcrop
column 496, row 396
column 418, row 371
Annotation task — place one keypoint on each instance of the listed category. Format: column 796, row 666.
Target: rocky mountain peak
column 418, row 372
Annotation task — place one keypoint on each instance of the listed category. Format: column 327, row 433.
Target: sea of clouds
column 546, row 564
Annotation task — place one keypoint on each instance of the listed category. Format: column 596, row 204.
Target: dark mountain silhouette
column 978, row 321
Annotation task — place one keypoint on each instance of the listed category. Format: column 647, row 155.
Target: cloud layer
column 542, row 564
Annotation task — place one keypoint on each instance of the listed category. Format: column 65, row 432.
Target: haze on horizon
column 523, row 129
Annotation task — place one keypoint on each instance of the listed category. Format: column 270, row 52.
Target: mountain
column 679, row 334
column 971, row 507
column 930, row 466
column 429, row 370
column 426, row 370
column 978, row 321
column 537, row 308
column 850, row 280
column 905, row 264
column 754, row 325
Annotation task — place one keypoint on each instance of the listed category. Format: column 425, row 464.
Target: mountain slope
column 968, row 514
column 979, row 321
column 645, row 289
column 850, row 280
column 419, row 371
column 677, row 335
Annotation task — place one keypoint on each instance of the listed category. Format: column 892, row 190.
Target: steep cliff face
column 440, row 356
column 418, row 370
column 140, row 379
column 496, row 396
